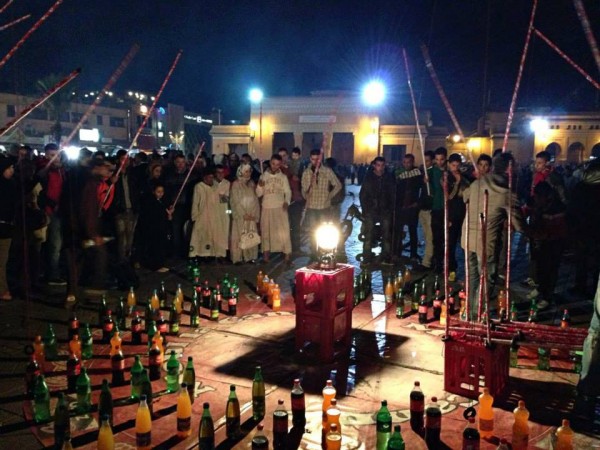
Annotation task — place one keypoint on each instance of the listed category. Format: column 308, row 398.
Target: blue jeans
column 589, row 383
column 52, row 247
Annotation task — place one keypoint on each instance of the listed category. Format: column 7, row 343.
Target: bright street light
column 256, row 95
column 373, row 93
column 538, row 125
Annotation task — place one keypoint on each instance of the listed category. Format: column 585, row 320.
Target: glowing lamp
column 327, row 236
column 538, row 125
column 374, row 93
column 456, row 138
column 256, row 95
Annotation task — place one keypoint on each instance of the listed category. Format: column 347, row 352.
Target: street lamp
column 373, row 94
column 256, row 97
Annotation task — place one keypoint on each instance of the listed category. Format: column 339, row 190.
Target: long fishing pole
column 513, row 102
column 416, row 114
column 109, row 84
column 49, row 93
column 14, row 22
column 564, row 56
column 587, row 29
column 509, row 222
column 142, row 126
column 6, row 5
column 467, row 262
column 35, row 26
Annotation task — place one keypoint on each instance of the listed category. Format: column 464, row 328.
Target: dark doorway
column 575, row 153
column 285, row 140
column 343, row 148
column 554, row 150
column 311, row 141
column 394, row 153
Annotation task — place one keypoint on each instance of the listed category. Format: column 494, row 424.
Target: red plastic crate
column 469, row 367
column 324, row 301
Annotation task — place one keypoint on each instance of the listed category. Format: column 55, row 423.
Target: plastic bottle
column 414, row 300
column 543, row 358
column 280, row 426
column 184, row 413
column 39, row 351
column 270, row 287
column 143, row 426
column 67, row 445
column 146, row 389
column 174, row 320
column 62, row 421
column 136, row 373
column 400, row 305
column 333, row 415
column 232, row 303
column 206, row 295
column 214, row 306
column 41, row 400
column 117, row 362
column 443, row 313
column 298, row 405
column 151, row 331
column 334, row 438
column 154, row 361
column 259, row 281
column 564, row 436
column 514, row 355
column 258, row 395
column 189, row 378
column 105, row 402
column 162, row 325
column 155, row 301
column 206, row 430
column 437, row 307
column 514, row 314
column 502, row 304
column 565, row 321
column 417, row 409
column 31, row 372
column 260, row 440
column 106, row 440
column 232, row 415
column 115, row 341
column 136, row 329
column 102, row 309
column 107, row 327
column 276, row 297
column 423, row 309
column 471, row 436
column 73, row 325
column 73, row 371
column 173, row 373
column 396, row 441
column 533, row 311
column 194, row 314
column 121, row 314
column 503, row 445
column 520, row 432
column 328, row 394
column 84, row 392
column 87, row 342
column 486, row 414
column 179, row 298
column 384, row 426
column 131, row 299
column 162, row 295
column 433, row 424
column 389, row 292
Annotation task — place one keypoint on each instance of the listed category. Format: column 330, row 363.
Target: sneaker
column 529, row 282
column 533, row 294
column 542, row 304
column 452, row 277
column 56, row 282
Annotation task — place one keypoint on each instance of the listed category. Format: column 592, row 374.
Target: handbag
column 249, row 239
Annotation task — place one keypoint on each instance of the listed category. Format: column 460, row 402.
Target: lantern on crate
column 327, row 237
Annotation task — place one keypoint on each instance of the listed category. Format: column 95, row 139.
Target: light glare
column 256, row 95
column 538, row 125
column 327, row 236
column 374, row 93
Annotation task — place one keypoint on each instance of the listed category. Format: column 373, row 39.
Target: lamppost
column 256, row 97
column 252, row 136
column 373, row 95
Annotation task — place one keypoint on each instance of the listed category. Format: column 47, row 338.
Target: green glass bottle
column 384, row 426
column 414, row 304
column 258, row 395
column 151, row 332
column 62, row 421
column 533, row 311
column 105, row 402
column 136, row 378
column 41, row 400
column 396, row 442
column 174, row 321
column 189, row 378
column 173, row 373
column 102, row 310
column 513, row 312
column 84, row 392
column 236, row 287
column 87, row 342
column 232, row 415
column 146, row 389
column 121, row 314
column 206, row 430
column 50, row 344
column 225, row 287
column 194, row 313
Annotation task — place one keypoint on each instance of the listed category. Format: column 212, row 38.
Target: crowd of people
column 557, row 208
column 93, row 221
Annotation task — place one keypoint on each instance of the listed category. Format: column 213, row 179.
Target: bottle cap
column 296, row 380
column 206, row 405
column 383, row 402
column 333, row 427
column 143, row 397
column 280, row 402
column 397, row 428
column 565, row 422
column 417, row 383
column 260, row 427
column 434, row 399
column 232, row 387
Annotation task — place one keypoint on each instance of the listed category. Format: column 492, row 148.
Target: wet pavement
column 385, row 357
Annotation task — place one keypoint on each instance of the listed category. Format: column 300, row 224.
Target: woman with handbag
column 246, row 214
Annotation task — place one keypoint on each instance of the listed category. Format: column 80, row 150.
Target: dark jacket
column 377, row 194
column 408, row 187
column 583, row 211
column 119, row 204
column 8, row 201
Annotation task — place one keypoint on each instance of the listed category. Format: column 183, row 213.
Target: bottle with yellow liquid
column 407, row 277
column 75, row 346
column 276, row 295
column 264, row 285
column 564, row 437
column 143, row 426
column 398, row 284
column 486, row 414
column 389, row 292
column 520, row 432
column 269, row 292
column 155, row 301
column 333, row 415
column 259, row 281
column 334, row 438
column 131, row 300
column 443, row 313
column 67, row 445
column 184, row 412
column 328, row 394
column 106, row 440
column 178, row 300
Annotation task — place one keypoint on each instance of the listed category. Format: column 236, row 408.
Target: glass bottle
column 105, row 402
column 206, row 430
column 62, row 421
column 50, row 343
column 232, row 415
column 84, row 392
column 384, row 426
column 143, row 426
column 189, row 378
column 258, row 395
column 396, row 441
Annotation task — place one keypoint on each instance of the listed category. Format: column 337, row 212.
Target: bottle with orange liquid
column 276, row 297
column 486, row 414
column 155, row 301
column 333, row 415
column 389, row 292
column 143, row 426
column 115, row 341
column 75, row 346
column 184, row 413
column 259, row 282
column 269, row 291
column 38, row 351
column 520, row 432
column 564, row 437
column 106, row 440
column 131, row 301
column 329, row 392
column 334, row 438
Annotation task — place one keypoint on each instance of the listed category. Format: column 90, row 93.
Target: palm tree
column 56, row 105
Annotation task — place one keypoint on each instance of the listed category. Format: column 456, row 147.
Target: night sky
column 292, row 47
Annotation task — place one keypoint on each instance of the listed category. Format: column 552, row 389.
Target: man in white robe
column 223, row 213
column 274, row 189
